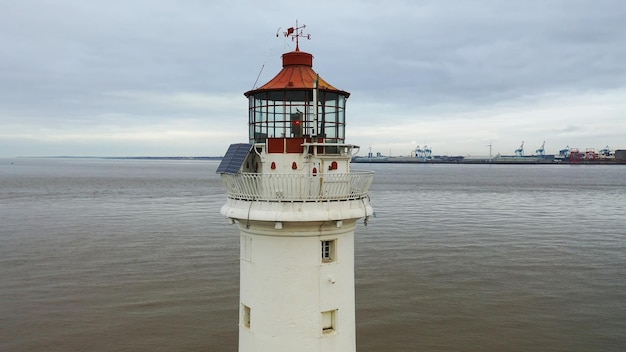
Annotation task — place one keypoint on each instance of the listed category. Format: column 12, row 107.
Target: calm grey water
column 133, row 255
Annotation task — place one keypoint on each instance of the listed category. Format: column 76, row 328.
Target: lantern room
column 297, row 107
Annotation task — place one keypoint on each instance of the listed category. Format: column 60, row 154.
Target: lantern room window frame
column 273, row 114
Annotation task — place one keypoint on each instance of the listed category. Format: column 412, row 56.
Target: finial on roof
column 296, row 32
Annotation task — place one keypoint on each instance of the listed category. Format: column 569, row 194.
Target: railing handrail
column 298, row 187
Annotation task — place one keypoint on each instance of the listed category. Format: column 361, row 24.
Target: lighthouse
column 296, row 202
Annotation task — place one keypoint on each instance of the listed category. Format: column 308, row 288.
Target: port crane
column 520, row 151
column 605, row 152
column 417, row 152
column 424, row 153
column 541, row 151
column 427, row 152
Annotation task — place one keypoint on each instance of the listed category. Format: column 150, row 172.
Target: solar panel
column 232, row 161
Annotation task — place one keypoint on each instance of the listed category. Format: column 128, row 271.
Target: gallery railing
column 298, row 187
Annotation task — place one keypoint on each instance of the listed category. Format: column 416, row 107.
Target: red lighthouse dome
column 297, row 73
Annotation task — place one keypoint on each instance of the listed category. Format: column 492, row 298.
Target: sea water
column 130, row 255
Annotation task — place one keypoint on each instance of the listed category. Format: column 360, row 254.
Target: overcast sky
column 166, row 78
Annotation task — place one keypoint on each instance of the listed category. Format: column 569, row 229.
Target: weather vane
column 296, row 33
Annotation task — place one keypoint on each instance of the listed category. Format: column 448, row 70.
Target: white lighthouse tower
column 296, row 202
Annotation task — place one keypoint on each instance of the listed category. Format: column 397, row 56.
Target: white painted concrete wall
column 287, row 287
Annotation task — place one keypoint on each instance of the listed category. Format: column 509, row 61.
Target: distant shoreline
column 127, row 157
column 488, row 161
column 365, row 160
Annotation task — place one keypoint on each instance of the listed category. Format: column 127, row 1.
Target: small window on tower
column 246, row 316
column 328, row 251
column 329, row 322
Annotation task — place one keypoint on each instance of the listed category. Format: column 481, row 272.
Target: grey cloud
column 69, row 62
